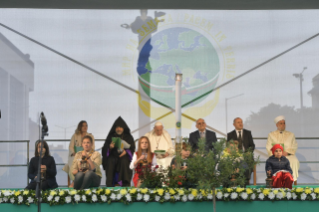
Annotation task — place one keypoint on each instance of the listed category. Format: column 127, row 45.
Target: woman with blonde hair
column 76, row 146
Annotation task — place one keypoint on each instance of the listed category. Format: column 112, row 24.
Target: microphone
column 45, row 127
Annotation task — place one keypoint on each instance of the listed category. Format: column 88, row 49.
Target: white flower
column 271, row 195
column 210, row 196
column 184, row 198
column 219, row 195
column 94, row 198
column 77, row 197
column 303, row 196
column 128, row 197
column 83, row 198
column 261, row 196
column 118, row 196
column 12, row 200
column 258, row 190
column 1, row 200
column 226, row 195
column 253, row 196
column 7, row 193
column 233, row 195
column 190, row 197
column 113, row 196
column 167, row 196
column 294, row 196
column 57, row 198
column 177, row 197
column 288, row 195
column 68, row 199
column 30, row 199
column 244, row 195
column 279, row 195
column 157, row 198
column 50, row 198
column 20, row 199
column 103, row 198
column 146, row 197
column 199, row 196
column 139, row 197
column 94, row 190
column 311, row 189
column 5, row 199
column 313, row 195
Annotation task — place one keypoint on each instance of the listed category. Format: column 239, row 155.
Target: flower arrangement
column 161, row 195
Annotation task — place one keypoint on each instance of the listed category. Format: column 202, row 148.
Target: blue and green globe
column 177, row 50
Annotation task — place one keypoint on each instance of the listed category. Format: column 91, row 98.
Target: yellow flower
column 283, row 194
column 160, row 191
column 17, row 193
column 133, row 191
column 307, row 191
column 88, row 192
column 181, row 192
column 73, row 192
column 249, row 191
column 171, row 191
column 204, row 193
column 52, row 193
column 266, row 192
column 123, row 192
column 99, row 191
column 229, row 190
column 194, row 192
column 299, row 190
column 107, row 191
column 238, row 190
column 144, row 190
column 275, row 191
column 26, row 192
column 61, row 193
column 317, row 190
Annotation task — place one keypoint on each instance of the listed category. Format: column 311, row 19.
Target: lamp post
column 226, row 107
column 300, row 76
column 178, row 109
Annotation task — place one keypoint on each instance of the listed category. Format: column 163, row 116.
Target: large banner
column 97, row 65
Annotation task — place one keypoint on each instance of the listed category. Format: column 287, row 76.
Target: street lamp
column 300, row 76
column 226, row 100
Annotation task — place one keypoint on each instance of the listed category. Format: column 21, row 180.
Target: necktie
column 240, row 141
column 202, row 135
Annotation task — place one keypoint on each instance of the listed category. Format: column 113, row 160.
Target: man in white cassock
column 289, row 143
column 161, row 140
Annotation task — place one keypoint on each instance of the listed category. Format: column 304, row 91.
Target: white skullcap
column 158, row 124
column 279, row 118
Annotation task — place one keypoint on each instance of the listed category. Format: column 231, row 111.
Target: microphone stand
column 38, row 188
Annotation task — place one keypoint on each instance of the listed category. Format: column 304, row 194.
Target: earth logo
column 177, row 50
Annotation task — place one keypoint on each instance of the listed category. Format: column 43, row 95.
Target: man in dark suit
column 244, row 138
column 202, row 132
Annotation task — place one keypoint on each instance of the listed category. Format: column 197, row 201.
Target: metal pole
column 178, row 107
column 28, row 161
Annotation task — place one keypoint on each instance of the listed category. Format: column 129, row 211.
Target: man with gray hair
column 161, row 140
column 288, row 142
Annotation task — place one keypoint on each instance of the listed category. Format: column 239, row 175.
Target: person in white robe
column 161, row 140
column 289, row 143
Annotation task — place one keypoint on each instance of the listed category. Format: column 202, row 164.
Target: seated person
column 185, row 153
column 91, row 175
column 48, row 168
column 143, row 158
column 278, row 166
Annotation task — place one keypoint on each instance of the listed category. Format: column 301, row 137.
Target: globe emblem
column 177, row 50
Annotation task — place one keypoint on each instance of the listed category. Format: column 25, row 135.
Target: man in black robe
column 115, row 162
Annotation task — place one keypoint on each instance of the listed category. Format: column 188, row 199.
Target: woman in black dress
column 48, row 168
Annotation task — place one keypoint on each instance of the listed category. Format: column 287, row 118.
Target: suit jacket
column 210, row 139
column 247, row 139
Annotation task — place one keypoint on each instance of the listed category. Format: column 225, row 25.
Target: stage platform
column 179, row 200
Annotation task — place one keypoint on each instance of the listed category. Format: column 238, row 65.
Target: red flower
column 179, row 183
column 180, row 176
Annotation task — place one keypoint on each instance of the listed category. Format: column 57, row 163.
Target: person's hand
column 173, row 166
column 43, row 168
column 123, row 153
column 79, row 165
column 237, row 170
column 269, row 172
column 112, row 145
column 284, row 153
column 183, row 168
column 142, row 157
column 72, row 154
column 164, row 156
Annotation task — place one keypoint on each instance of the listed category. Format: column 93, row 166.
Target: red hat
column 276, row 146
